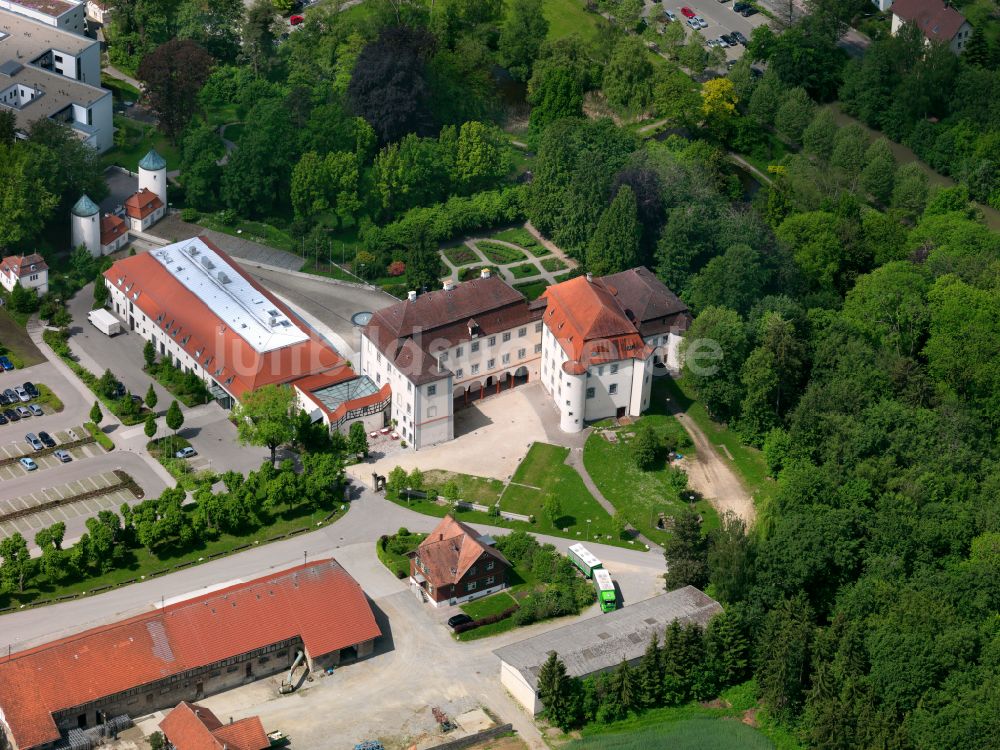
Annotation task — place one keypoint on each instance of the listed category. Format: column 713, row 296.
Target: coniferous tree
column 686, row 553
column 614, row 247
column 651, row 674
column 554, row 690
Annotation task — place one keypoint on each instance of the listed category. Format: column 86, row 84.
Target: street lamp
column 588, row 528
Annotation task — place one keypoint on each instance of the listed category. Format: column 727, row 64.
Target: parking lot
column 27, row 526
column 720, row 17
column 21, row 448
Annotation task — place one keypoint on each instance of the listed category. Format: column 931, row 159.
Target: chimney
column 484, row 273
column 411, row 296
column 590, row 277
column 448, row 285
column 440, row 537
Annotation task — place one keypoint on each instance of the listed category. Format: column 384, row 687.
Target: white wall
column 86, row 231
column 519, row 688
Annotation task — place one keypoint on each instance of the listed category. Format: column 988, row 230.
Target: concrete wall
column 519, row 688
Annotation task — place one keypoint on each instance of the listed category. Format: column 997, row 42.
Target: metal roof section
column 230, row 297
column 85, row 207
column 152, row 161
column 585, row 555
column 334, row 395
column 600, row 643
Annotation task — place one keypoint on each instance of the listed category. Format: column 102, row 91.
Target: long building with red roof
column 206, row 315
column 184, row 651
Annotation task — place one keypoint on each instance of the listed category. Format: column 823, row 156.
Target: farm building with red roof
column 202, row 312
column 194, row 727
column 184, row 651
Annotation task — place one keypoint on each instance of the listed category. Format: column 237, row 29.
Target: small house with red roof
column 143, row 209
column 604, row 339
column 194, row 727
column 30, row 271
column 184, row 650
column 456, row 564
column 938, row 21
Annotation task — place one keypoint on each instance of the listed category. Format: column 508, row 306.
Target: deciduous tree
column 521, row 37
column 264, row 417
column 614, row 247
column 173, row 74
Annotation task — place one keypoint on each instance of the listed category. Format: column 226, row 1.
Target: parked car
column 63, row 456
column 670, row 15
column 11, row 415
column 47, row 439
column 693, row 24
column 21, row 393
column 740, row 5
column 31, row 389
column 727, row 40
column 186, row 452
column 738, row 36
column 702, row 23
column 32, row 440
column 22, row 412
column 29, row 463
column 687, row 12
column 36, row 410
column 4, row 401
column 6, row 364
column 296, row 20
column 456, row 620
column 11, row 396
column 747, row 12
column 3, row 418
column 714, row 43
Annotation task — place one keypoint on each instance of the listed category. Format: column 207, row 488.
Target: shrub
column 228, row 216
column 396, row 268
column 190, row 214
column 487, row 620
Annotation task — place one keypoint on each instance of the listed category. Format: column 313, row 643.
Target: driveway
column 495, row 432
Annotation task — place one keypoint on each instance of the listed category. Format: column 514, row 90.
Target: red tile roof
column 450, row 550
column 21, row 265
column 194, row 727
column 937, row 21
column 217, row 348
column 142, row 203
column 605, row 319
column 112, row 227
column 318, row 602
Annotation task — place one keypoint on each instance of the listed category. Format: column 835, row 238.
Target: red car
column 296, row 20
column 687, row 12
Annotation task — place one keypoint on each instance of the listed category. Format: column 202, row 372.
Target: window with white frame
column 506, row 359
column 522, row 353
column 432, row 390
column 614, row 369
column 459, row 351
column 506, row 336
column 613, row 389
column 475, row 369
column 470, row 586
column 491, row 341
column 459, row 373
column 474, row 347
column 522, row 332
column 491, row 363
column 538, row 348
column 590, row 392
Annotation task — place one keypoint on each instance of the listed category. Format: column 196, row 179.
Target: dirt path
column 712, row 476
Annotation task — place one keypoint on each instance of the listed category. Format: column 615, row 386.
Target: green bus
column 606, row 595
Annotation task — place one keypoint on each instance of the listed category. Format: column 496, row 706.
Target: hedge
column 488, row 620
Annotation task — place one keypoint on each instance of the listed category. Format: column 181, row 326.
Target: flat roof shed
column 600, row 643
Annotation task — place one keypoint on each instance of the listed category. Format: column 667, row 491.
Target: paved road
column 173, row 229
column 331, row 302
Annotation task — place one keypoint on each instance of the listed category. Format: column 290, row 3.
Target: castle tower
column 153, row 174
column 86, row 225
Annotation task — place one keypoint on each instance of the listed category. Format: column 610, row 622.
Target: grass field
column 568, row 17
column 500, row 254
column 474, row 489
column 524, row 238
column 748, row 462
column 489, row 605
column 532, row 289
column 16, row 343
column 642, row 495
column 553, row 264
column 524, row 270
column 696, row 733
column 139, row 138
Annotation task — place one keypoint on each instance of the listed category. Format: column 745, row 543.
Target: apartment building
column 66, row 15
column 48, row 72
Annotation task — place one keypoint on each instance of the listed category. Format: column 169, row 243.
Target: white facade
column 154, row 180
column 86, row 231
column 424, row 413
column 141, row 225
column 882, row 5
column 37, row 279
column 456, row 600
column 956, row 44
column 98, row 11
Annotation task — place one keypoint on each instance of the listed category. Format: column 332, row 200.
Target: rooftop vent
column 207, row 262
column 411, row 296
column 192, row 250
column 224, row 277
column 448, row 285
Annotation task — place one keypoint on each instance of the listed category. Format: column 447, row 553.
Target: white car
column 714, row 43
column 21, row 393
column 693, row 23
column 671, row 15
column 700, row 21
column 187, row 452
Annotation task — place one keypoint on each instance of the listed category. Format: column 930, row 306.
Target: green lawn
column 120, row 90
column 164, row 450
column 489, row 605
column 460, row 255
column 553, row 264
column 696, row 733
column 542, row 468
column 47, row 398
column 473, row 273
column 568, row 17
column 395, row 560
column 234, row 131
column 139, row 139
column 532, row 289
column 498, row 253
column 16, row 343
column 524, row 270
column 642, row 495
column 524, row 238
column 471, row 488
column 255, row 231
column 748, row 462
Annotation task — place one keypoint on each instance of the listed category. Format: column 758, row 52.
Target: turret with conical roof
column 85, row 207
column 85, row 226
column 153, row 175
